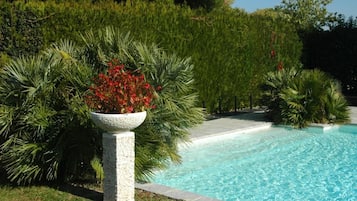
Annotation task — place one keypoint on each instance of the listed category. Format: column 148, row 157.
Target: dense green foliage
column 20, row 30
column 229, row 48
column 232, row 63
column 206, row 4
column 45, row 130
column 306, row 14
column 301, row 97
column 334, row 51
column 167, row 125
column 329, row 41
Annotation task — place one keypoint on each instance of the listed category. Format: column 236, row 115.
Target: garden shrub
column 44, row 126
column 4, row 58
column 165, row 126
column 301, row 97
column 44, row 123
column 274, row 83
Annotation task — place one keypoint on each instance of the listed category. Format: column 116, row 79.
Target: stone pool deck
column 220, row 126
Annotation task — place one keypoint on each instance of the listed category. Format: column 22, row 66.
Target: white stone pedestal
column 118, row 165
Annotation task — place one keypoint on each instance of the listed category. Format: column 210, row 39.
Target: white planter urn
column 118, row 123
column 118, row 153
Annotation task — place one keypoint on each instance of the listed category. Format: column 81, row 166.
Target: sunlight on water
column 276, row 164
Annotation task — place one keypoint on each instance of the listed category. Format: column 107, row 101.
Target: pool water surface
column 275, row 164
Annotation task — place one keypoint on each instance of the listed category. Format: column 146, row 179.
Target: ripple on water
column 277, row 164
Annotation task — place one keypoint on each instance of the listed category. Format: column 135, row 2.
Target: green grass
column 64, row 193
column 38, row 193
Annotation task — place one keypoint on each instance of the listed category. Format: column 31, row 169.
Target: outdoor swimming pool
column 275, row 164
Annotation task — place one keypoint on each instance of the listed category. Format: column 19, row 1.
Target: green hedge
column 230, row 49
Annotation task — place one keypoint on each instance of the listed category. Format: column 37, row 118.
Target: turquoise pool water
column 274, row 164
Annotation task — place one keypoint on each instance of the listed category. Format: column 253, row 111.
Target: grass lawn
column 64, row 193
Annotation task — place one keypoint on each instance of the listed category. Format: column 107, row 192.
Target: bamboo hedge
column 231, row 50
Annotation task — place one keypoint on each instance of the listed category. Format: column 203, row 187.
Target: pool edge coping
column 172, row 193
column 245, row 130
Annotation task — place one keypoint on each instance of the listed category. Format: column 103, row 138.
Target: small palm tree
column 45, row 130
column 275, row 83
column 310, row 96
column 176, row 111
column 41, row 110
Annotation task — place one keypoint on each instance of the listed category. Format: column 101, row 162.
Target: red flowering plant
column 120, row 90
column 273, row 53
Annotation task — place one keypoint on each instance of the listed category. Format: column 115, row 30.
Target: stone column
column 118, row 165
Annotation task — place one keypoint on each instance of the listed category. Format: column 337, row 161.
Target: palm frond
column 156, row 142
column 301, row 97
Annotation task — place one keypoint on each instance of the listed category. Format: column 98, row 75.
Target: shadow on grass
column 82, row 192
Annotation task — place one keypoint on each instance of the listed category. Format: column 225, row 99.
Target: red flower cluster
column 120, row 91
column 273, row 53
column 280, row 66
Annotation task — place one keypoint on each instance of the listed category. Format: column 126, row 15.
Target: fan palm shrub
column 176, row 111
column 302, row 97
column 274, row 83
column 44, row 126
column 45, row 130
